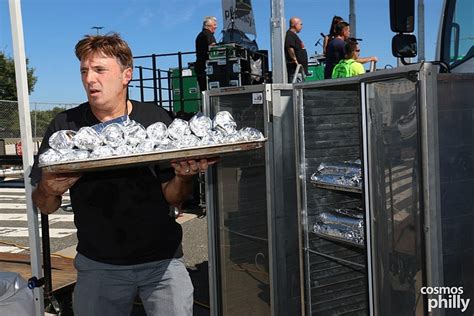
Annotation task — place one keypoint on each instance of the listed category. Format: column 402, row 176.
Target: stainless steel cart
column 253, row 228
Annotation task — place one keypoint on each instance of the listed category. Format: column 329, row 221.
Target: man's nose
column 89, row 76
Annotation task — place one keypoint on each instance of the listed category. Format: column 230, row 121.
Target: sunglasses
column 357, row 50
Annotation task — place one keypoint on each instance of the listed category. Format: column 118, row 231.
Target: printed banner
column 237, row 14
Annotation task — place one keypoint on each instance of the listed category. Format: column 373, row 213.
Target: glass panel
column 456, row 160
column 395, row 179
column 336, row 276
column 462, row 31
column 241, row 211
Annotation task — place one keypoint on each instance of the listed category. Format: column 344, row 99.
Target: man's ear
column 127, row 75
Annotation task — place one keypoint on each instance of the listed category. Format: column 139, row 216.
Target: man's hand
column 57, row 183
column 48, row 194
column 188, row 168
column 178, row 189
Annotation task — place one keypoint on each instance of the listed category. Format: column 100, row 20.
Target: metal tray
column 151, row 158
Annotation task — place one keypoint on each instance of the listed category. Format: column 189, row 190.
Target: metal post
column 26, row 139
column 181, row 92
column 155, row 92
column 160, row 93
column 170, row 86
column 142, row 90
column 421, row 30
column 352, row 18
column 277, row 31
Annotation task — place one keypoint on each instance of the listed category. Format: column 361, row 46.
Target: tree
column 7, row 78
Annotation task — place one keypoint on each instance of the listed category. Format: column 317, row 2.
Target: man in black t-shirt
column 295, row 51
column 128, row 244
column 204, row 39
column 335, row 48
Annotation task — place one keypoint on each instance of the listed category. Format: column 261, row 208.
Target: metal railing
column 153, row 78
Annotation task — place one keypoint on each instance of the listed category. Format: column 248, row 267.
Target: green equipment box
column 223, row 51
column 191, row 101
column 316, row 72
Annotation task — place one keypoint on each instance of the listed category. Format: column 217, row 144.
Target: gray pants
column 164, row 287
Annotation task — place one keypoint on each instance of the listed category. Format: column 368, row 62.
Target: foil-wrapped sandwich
column 126, row 137
column 347, row 174
column 113, row 135
column 347, row 224
column 200, row 124
column 62, row 140
column 178, row 129
column 157, row 131
column 224, row 122
column 87, row 138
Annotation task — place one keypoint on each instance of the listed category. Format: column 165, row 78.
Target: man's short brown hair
column 111, row 45
column 350, row 47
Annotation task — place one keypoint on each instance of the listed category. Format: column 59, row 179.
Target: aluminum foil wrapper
column 49, row 156
column 200, row 124
column 340, row 219
column 178, row 129
column 124, row 150
column 339, row 231
column 250, row 134
column 102, row 152
column 213, row 138
column 146, row 146
column 157, row 131
column 355, row 212
column 224, row 122
column 338, row 179
column 135, row 133
column 335, row 224
column 75, row 154
column 87, row 138
column 113, row 135
column 62, row 140
column 342, row 168
column 188, row 141
column 232, row 138
column 166, row 144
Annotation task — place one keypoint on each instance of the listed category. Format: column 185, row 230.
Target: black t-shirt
column 121, row 215
column 292, row 40
column 334, row 54
column 203, row 40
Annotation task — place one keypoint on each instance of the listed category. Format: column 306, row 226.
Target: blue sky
column 52, row 28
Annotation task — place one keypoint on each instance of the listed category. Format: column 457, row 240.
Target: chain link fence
column 41, row 115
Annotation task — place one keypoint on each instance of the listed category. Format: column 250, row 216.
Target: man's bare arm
column 178, row 189
column 47, row 196
column 291, row 53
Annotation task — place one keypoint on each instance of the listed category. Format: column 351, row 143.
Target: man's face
column 346, row 32
column 298, row 25
column 212, row 26
column 104, row 80
column 357, row 51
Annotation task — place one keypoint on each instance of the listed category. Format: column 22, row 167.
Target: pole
column 97, row 28
column 421, row 30
column 352, row 18
column 26, row 140
column 277, row 31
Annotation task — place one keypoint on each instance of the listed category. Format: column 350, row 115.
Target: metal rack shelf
column 339, row 240
column 340, row 260
column 336, row 187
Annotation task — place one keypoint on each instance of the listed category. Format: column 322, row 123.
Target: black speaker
column 402, row 16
